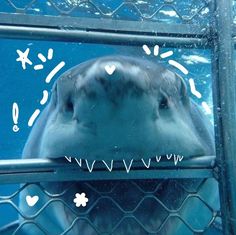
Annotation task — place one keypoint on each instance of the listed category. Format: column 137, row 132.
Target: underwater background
column 25, row 86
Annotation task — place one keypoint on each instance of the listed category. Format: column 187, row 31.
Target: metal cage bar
column 106, row 31
column 40, row 170
column 224, row 90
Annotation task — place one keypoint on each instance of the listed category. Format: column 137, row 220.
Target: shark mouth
column 125, row 164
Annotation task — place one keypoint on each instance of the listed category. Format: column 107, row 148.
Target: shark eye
column 164, row 104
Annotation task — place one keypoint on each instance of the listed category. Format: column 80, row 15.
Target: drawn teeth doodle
column 15, row 115
column 128, row 167
column 80, row 200
column 90, row 165
column 107, row 166
column 146, row 164
column 31, row 201
column 158, row 158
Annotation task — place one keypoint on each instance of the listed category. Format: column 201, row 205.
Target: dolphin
column 119, row 108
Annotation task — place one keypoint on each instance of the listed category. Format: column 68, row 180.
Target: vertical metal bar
column 224, row 92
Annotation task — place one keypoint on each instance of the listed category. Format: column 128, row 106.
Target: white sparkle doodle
column 15, row 115
column 80, row 200
column 156, row 50
column 178, row 66
column 166, row 54
column 55, row 71
column 193, row 89
column 146, row 49
column 23, row 58
column 33, row 117
column 45, row 97
column 43, row 59
column 50, row 53
column 38, row 67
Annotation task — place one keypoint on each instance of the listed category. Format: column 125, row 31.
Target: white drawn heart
column 31, row 201
column 110, row 69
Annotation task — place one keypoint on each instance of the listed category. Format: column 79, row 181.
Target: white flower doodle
column 80, row 200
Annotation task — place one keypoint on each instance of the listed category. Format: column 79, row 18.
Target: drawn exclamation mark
column 15, row 115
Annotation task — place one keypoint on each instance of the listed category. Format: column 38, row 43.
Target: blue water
column 25, row 87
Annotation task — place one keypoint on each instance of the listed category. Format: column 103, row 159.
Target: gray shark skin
column 115, row 108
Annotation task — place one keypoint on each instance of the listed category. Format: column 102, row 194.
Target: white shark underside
column 119, row 108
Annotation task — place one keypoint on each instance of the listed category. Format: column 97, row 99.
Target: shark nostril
column 164, row 103
column 70, row 106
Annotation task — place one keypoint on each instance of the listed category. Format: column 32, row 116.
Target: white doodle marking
column 108, row 167
column 68, row 158
column 178, row 66
column 156, row 50
column 206, row 107
column 33, row 117
column 177, row 158
column 110, row 69
column 90, row 168
column 54, row 71
column 79, row 162
column 168, row 156
column 158, row 158
column 80, row 200
column 31, row 201
column 45, row 97
column 15, row 116
column 50, row 53
column 166, row 54
column 42, row 57
column 147, row 165
column 23, row 58
column 146, row 50
column 193, row 89
column 129, row 166
column 38, row 67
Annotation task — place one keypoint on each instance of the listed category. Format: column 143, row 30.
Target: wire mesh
column 188, row 11
column 119, row 207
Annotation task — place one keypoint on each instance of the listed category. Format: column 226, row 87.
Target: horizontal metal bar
column 101, row 24
column 33, row 33
column 103, row 31
column 41, row 170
